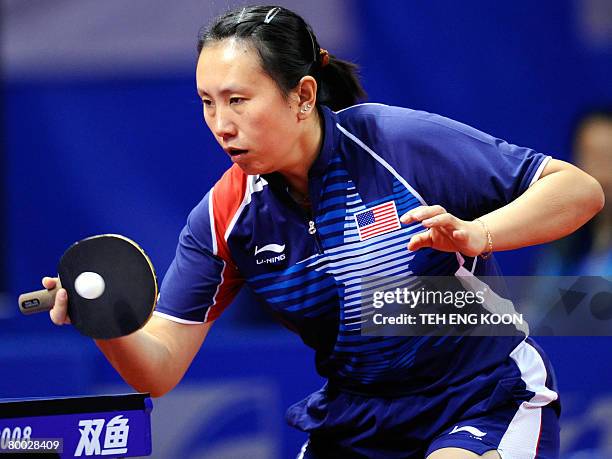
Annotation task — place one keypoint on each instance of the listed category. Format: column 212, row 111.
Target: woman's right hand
column 59, row 313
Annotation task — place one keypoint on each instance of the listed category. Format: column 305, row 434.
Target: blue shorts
column 513, row 409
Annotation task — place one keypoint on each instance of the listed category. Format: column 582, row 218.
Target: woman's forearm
column 155, row 358
column 141, row 360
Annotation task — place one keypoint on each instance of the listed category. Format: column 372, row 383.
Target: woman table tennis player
column 282, row 219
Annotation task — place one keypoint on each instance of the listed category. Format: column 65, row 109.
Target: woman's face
column 244, row 108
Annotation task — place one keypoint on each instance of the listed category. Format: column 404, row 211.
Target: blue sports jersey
column 307, row 267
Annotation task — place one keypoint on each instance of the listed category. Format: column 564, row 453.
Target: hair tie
column 324, row 57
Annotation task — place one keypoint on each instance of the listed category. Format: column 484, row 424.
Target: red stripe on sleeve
column 228, row 194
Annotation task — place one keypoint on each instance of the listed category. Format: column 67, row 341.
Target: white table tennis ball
column 89, row 285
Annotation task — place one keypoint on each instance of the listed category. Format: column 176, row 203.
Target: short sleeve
column 199, row 284
column 467, row 171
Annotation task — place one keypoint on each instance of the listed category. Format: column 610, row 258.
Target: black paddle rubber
column 130, row 286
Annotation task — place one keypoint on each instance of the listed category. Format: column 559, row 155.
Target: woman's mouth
column 236, row 151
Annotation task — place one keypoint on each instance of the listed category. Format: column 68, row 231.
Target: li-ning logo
column 478, row 434
column 275, row 248
column 115, row 437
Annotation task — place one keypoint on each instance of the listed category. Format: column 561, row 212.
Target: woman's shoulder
column 375, row 110
column 400, row 124
column 380, row 121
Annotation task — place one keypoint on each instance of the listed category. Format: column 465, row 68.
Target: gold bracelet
column 487, row 253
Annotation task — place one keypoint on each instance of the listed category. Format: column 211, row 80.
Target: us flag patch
column 379, row 219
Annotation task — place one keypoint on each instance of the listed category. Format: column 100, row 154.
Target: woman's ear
column 307, row 96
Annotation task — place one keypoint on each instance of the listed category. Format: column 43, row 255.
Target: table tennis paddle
column 111, row 286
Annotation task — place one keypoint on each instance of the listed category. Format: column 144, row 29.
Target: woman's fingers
column 49, row 282
column 420, row 240
column 445, row 232
column 443, row 220
column 421, row 213
column 59, row 312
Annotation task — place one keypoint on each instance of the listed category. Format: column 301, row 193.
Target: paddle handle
column 39, row 301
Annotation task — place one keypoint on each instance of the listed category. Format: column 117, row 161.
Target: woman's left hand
column 445, row 231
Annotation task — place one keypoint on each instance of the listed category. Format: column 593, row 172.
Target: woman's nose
column 224, row 126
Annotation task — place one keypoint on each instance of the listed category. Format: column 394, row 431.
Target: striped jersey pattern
column 316, row 285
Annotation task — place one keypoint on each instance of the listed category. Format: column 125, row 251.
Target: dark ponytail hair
column 288, row 50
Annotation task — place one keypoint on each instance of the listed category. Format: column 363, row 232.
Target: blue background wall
column 131, row 155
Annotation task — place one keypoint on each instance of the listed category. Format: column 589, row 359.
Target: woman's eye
column 236, row 100
column 206, row 102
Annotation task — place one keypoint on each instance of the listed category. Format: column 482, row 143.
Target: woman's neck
column 309, row 147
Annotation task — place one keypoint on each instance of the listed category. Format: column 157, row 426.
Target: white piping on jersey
column 211, row 217
column 214, row 299
column 303, row 450
column 251, row 187
column 176, row 319
column 360, row 105
column 533, row 372
column 538, row 172
column 523, row 433
column 473, row 270
column 385, row 164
